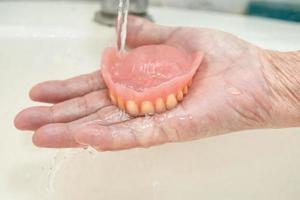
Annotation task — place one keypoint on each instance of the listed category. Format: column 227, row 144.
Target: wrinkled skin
column 230, row 92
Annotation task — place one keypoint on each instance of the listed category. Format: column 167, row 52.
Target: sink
column 55, row 40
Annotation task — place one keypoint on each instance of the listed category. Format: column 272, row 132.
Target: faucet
column 109, row 10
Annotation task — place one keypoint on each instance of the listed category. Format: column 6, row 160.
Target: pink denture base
column 148, row 72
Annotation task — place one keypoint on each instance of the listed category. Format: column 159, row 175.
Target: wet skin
column 238, row 86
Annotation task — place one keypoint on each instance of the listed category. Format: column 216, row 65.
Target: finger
column 61, row 135
column 144, row 32
column 138, row 132
column 57, row 91
column 55, row 136
column 35, row 117
column 119, row 136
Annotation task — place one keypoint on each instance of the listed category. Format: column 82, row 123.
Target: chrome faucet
column 109, row 10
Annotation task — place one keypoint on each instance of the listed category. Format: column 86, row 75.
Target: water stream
column 122, row 24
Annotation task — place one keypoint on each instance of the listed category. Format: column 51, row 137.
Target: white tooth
column 112, row 98
column 147, row 108
column 171, row 101
column 132, row 108
column 185, row 90
column 121, row 104
column 179, row 95
column 160, row 105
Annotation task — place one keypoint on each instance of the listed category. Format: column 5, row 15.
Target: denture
column 149, row 79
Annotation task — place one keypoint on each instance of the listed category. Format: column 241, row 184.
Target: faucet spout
column 109, row 10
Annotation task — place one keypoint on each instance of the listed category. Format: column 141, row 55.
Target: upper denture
column 150, row 78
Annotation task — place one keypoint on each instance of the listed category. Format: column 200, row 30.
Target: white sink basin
column 53, row 40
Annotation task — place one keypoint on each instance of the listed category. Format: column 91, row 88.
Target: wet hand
column 230, row 92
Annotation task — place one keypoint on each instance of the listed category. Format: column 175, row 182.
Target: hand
column 230, row 92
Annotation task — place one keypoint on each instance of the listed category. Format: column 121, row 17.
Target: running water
column 122, row 24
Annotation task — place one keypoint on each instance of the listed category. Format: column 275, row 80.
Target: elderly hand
column 238, row 86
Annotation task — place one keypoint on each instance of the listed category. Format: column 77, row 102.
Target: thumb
column 143, row 32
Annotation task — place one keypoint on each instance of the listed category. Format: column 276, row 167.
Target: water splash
column 59, row 159
column 109, row 117
column 155, row 189
column 54, row 168
column 122, row 24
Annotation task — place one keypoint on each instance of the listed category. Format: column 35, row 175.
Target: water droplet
column 233, row 90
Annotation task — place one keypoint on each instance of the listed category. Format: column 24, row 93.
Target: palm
column 228, row 89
